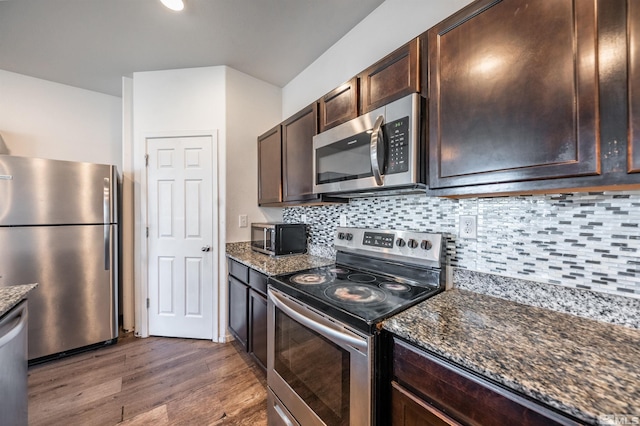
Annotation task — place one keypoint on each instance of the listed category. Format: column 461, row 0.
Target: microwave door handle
column 376, row 149
column 264, row 238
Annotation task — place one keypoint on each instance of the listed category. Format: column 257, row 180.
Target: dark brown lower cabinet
column 409, row 410
column 258, row 329
column 427, row 390
column 238, row 292
column 248, row 310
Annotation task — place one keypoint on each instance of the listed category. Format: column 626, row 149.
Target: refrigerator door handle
column 107, row 247
column 106, row 200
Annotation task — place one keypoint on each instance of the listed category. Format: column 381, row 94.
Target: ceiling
column 91, row 44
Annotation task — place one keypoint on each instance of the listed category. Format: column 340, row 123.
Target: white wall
column 39, row 118
column 253, row 107
column 239, row 108
column 167, row 103
column 391, row 25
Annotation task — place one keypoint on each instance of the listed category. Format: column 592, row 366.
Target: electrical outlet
column 469, row 227
column 343, row 220
column 303, row 218
column 242, row 221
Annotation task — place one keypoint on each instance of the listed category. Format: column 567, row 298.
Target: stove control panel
column 406, row 246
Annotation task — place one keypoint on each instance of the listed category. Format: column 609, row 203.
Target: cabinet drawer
column 258, row 281
column 463, row 396
column 239, row 270
column 407, row 409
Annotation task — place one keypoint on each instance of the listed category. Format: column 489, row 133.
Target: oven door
column 318, row 369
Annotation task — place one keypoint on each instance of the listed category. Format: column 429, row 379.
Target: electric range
column 323, row 343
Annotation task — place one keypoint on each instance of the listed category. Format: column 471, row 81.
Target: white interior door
column 181, row 244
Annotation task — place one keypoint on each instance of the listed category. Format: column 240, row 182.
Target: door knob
column 206, row 248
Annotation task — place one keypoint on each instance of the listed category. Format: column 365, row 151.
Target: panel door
column 270, row 166
column 297, row 148
column 340, row 105
column 238, row 313
column 258, row 317
column 513, row 93
column 391, row 78
column 181, row 261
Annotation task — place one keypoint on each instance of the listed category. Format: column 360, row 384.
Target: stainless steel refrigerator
column 59, row 228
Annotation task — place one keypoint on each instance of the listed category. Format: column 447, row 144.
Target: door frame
column 141, row 289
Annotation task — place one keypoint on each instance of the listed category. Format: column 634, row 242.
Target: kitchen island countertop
column 12, row 295
column 588, row 369
column 270, row 265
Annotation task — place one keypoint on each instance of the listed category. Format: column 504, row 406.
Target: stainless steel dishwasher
column 13, row 366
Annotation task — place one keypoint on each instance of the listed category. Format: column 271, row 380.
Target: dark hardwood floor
column 159, row 381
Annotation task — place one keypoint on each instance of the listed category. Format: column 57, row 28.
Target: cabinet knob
column 206, row 248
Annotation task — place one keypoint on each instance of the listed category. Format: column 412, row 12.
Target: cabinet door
column 391, row 78
column 340, row 105
column 464, row 396
column 297, row 147
column 513, row 93
column 409, row 410
column 270, row 166
column 634, row 86
column 238, row 297
column 258, row 319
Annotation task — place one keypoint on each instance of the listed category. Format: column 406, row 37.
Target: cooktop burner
column 311, row 279
column 361, row 278
column 358, row 294
column 392, row 286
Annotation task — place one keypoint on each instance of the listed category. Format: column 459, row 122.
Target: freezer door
column 76, row 269
column 36, row 191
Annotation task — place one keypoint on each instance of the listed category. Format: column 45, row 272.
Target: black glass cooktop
column 359, row 298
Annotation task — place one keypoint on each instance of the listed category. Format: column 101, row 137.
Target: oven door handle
column 333, row 332
column 376, row 149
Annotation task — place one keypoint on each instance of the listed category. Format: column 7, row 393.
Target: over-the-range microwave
column 377, row 151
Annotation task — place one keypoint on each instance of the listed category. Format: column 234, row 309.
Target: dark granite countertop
column 273, row 265
column 12, row 295
column 586, row 368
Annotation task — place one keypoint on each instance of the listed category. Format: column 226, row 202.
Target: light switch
column 242, row 221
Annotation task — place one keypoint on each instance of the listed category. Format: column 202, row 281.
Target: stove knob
column 400, row 242
column 425, row 245
column 349, row 236
column 412, row 243
column 341, row 235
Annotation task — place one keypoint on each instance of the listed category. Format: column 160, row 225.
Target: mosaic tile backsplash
column 580, row 240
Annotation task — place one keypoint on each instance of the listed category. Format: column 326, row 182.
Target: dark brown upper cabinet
column 297, row 154
column 391, row 78
column 514, row 93
column 634, row 86
column 340, row 105
column 270, row 166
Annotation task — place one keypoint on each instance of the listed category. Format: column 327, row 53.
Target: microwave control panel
column 397, row 135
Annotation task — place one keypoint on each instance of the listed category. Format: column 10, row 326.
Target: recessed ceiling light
column 176, row 5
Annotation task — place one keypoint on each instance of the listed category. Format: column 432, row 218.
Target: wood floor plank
column 156, row 416
column 149, row 381
column 46, row 410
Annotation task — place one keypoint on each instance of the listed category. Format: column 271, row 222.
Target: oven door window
column 314, row 367
column 347, row 159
